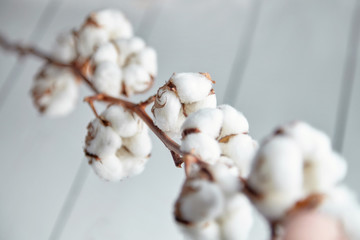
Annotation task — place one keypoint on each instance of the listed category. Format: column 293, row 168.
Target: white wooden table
column 275, row 60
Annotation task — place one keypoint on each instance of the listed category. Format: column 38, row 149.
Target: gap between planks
column 348, row 79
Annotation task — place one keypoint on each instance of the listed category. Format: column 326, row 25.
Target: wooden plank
column 40, row 155
column 351, row 143
column 189, row 36
column 348, row 127
column 296, row 65
column 18, row 23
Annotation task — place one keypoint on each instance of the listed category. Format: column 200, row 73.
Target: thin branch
column 22, row 50
column 148, row 101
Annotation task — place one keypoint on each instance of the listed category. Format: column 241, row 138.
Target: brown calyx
column 92, row 156
column 90, row 21
column 249, row 191
column 227, row 138
column 189, row 131
column 207, row 75
column 167, row 86
column 309, row 203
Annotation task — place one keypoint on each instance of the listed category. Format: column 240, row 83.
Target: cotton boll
column 238, row 219
column 55, row 91
column 125, row 123
column 200, row 201
column 136, row 79
column 89, row 38
column 322, row 174
column 147, row 58
column 208, row 102
column 100, row 27
column 277, row 160
column 311, row 141
column 277, row 175
column 166, row 110
column 191, row 87
column 64, row 48
column 114, row 22
column 128, row 49
column 241, row 149
column 227, row 181
column 108, row 168
column 203, row 146
column 131, row 164
column 229, row 163
column 101, row 141
column 139, row 144
column 234, row 121
column 203, row 231
column 105, row 53
column 207, row 120
column 107, row 78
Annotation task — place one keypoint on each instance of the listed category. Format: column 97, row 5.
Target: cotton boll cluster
column 124, row 66
column 211, row 207
column 117, row 144
column 55, row 91
column 291, row 165
column 219, row 135
column 182, row 95
column 99, row 28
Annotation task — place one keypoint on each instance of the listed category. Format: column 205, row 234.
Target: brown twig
column 138, row 109
column 22, row 50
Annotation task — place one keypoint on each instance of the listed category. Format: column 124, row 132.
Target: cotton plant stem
column 138, row 109
column 23, row 50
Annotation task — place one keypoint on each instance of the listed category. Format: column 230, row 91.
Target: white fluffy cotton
column 55, row 91
column 207, row 120
column 101, row 27
column 125, row 123
column 203, row 146
column 203, row 203
column 227, row 128
column 234, row 121
column 212, row 208
column 130, row 67
column 191, row 87
column 237, row 219
column 167, row 111
column 104, row 140
column 64, row 48
column 277, row 176
column 118, row 145
column 241, row 149
column 189, row 92
column 201, row 231
column 107, row 78
column 295, row 162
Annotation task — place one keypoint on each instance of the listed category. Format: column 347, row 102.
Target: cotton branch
column 139, row 109
column 22, row 50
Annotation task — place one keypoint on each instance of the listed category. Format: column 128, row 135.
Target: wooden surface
column 275, row 61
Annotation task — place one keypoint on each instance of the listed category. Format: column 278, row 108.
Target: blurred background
column 276, row 61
